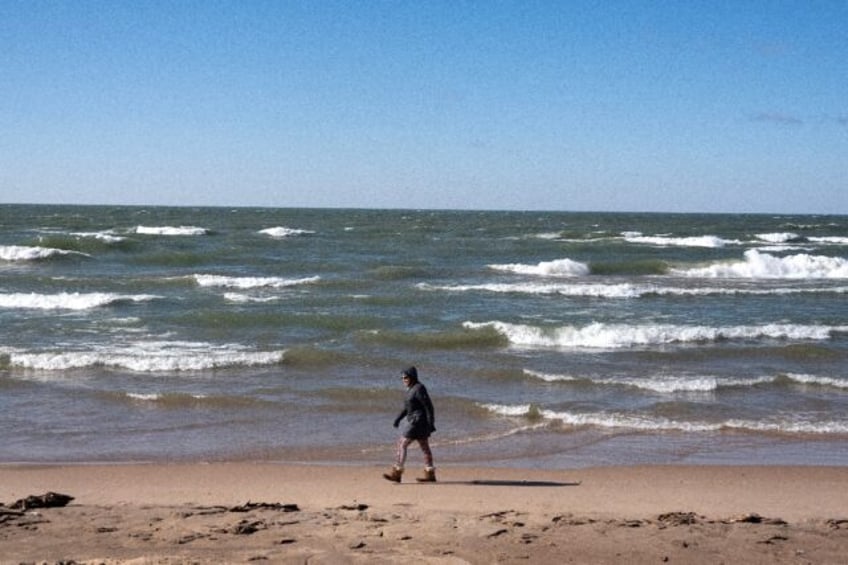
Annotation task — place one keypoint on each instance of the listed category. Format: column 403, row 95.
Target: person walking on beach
column 418, row 425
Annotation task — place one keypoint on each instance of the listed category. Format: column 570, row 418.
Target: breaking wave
column 621, row 290
column 150, row 356
column 661, row 384
column 171, row 230
column 817, row 380
column 653, row 423
column 30, row 253
column 757, row 265
column 782, row 237
column 107, row 236
column 251, row 282
column 241, row 298
column 69, row 300
column 667, row 384
column 181, row 400
column 557, row 268
column 614, row 336
column 281, row 232
column 835, row 240
column 668, row 241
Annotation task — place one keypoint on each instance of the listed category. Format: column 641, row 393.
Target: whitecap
column 621, row 290
column 650, row 423
column 665, row 384
column 509, row 410
column 556, row 268
column 782, row 237
column 105, row 236
column 241, row 298
column 668, row 241
column 251, row 282
column 280, row 232
column 759, row 265
column 68, row 300
column 615, row 336
column 143, row 396
column 29, row 253
column 550, row 377
column 818, row 380
column 171, row 230
column 548, row 235
column 148, row 356
column 835, row 240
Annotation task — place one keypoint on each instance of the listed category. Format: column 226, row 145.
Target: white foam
column 836, row 240
column 622, row 290
column 148, row 356
column 29, row 253
column 818, row 380
column 615, row 336
column 759, row 265
column 672, row 384
column 665, row 384
column 548, row 235
column 155, row 396
column 509, row 410
column 782, row 248
column 251, row 282
column 282, row 232
column 788, row 424
column 550, row 377
column 171, row 230
column 668, row 241
column 585, row 290
column 241, row 298
column 798, row 426
column 68, row 300
column 781, row 237
column 557, row 268
column 144, row 397
column 105, row 236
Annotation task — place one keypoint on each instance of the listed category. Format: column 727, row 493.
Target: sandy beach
column 273, row 513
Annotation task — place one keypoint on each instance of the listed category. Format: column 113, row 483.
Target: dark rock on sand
column 47, row 500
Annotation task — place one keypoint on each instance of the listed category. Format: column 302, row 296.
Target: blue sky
column 682, row 106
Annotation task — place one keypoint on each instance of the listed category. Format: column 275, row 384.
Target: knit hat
column 411, row 372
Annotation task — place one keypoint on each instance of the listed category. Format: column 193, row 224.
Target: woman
column 420, row 423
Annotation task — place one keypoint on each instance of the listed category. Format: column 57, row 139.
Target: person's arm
column 429, row 411
column 400, row 417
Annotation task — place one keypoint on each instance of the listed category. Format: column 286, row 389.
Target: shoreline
column 176, row 512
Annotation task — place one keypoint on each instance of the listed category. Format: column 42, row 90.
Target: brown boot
column 394, row 475
column 429, row 476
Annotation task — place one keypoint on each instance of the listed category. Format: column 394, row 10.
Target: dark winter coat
column 418, row 411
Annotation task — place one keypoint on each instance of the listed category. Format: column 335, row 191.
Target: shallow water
column 546, row 339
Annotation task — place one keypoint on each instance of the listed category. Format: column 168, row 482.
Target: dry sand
column 199, row 513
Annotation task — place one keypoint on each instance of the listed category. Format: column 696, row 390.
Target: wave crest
column 251, row 282
column 759, row 265
column 30, row 253
column 712, row 241
column 281, row 232
column 556, row 268
column 614, row 336
column 69, row 300
column 652, row 423
column 171, row 230
column 144, row 357
column 623, row 290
